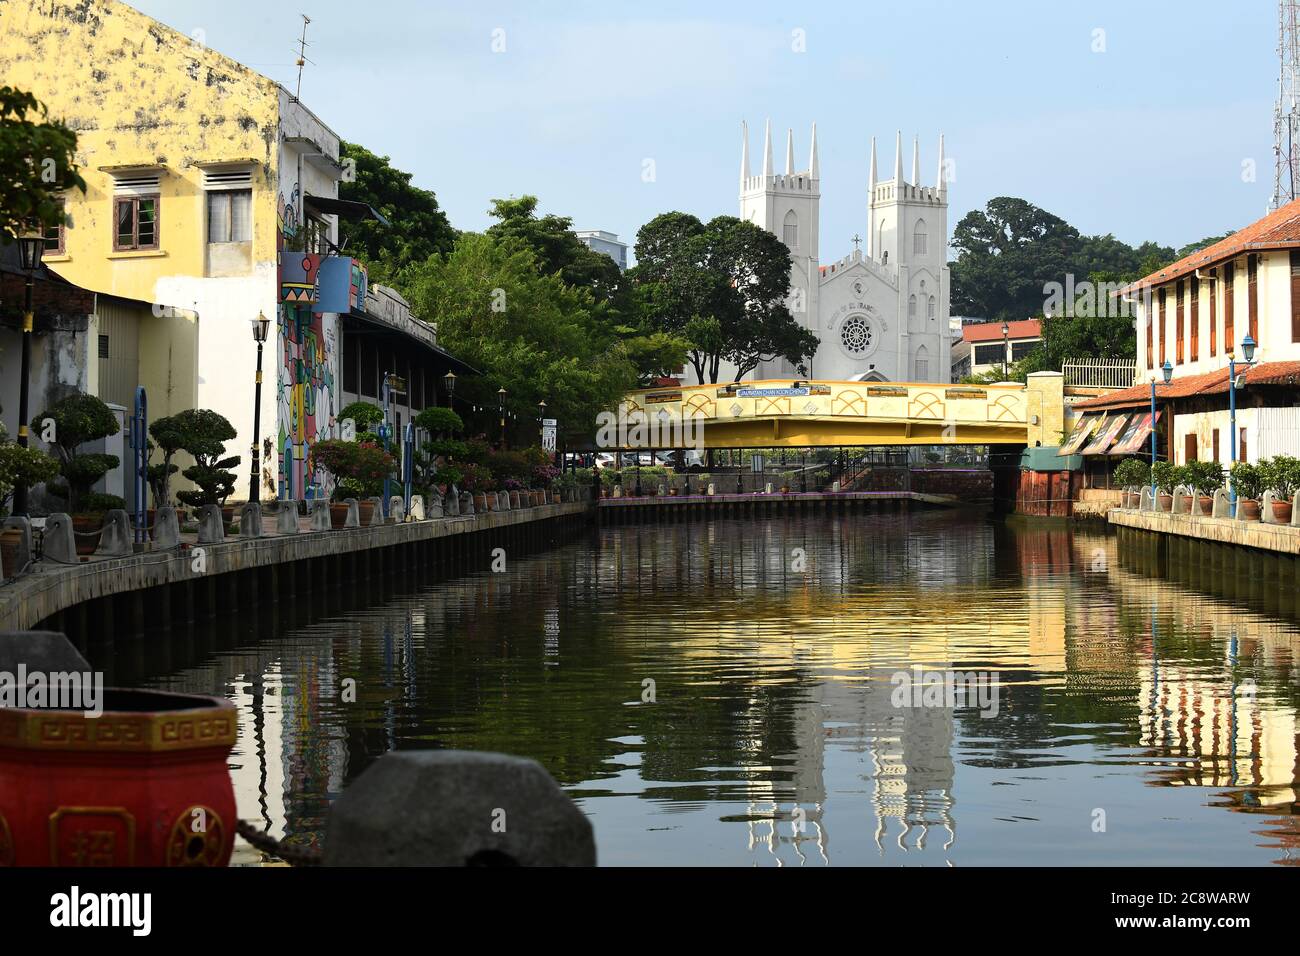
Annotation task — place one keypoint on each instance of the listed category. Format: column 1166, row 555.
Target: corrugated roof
column 992, row 331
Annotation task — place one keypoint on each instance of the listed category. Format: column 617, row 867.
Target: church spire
column 871, row 185
column 916, row 161
column 789, row 152
column 898, row 156
column 814, row 168
column 939, row 183
column 767, row 150
column 744, row 151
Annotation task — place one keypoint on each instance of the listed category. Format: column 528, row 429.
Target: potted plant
column 1165, row 475
column 1247, row 485
column 786, row 478
column 204, row 434
column 359, row 469
column 1205, row 478
column 78, row 419
column 19, row 465
column 1132, row 474
column 1281, row 475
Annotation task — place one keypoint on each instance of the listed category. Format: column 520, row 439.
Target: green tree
column 556, row 248
column 528, row 332
column 203, row 434
column 36, row 165
column 417, row 228
column 723, row 287
column 76, row 420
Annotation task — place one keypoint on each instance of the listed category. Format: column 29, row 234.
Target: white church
column 880, row 315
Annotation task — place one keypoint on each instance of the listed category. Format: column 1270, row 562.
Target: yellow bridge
column 802, row 413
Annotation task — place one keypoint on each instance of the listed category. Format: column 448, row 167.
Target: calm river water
column 1124, row 719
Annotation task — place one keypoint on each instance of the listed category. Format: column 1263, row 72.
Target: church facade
column 881, row 315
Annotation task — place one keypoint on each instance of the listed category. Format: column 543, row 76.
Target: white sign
column 548, row 434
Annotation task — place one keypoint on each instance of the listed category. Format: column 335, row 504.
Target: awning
column 350, row 209
column 1083, row 430
column 1135, row 436
column 1106, row 434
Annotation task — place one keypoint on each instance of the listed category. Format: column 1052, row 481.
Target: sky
column 1145, row 120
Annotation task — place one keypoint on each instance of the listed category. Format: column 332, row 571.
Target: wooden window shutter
column 1229, row 290
column 1252, row 296
column 1194, row 317
column 1178, row 324
column 1295, row 295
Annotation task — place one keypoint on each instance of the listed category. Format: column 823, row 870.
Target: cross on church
column 857, row 240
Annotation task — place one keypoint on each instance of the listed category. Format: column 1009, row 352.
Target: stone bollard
column 436, row 508
column 711, row 490
column 166, row 529
column 377, row 512
column 417, row 507
column 116, row 537
column 767, row 488
column 397, row 508
column 1221, row 507
column 250, row 520
column 1181, row 501
column 23, row 554
column 319, row 511
column 1295, row 510
column 618, row 491
column 503, row 501
column 515, row 503
column 286, row 517
column 353, row 520
column 212, row 527
column 466, row 503
column 46, row 651
column 58, row 543
column 1266, row 508
column 451, row 503
column 456, row 808
column 1146, row 502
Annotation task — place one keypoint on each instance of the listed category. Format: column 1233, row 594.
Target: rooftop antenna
column 1286, row 115
column 302, row 56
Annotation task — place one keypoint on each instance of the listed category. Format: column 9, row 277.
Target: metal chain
column 291, row 854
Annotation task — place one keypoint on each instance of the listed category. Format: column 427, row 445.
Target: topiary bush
column 364, row 414
column 25, row 466
column 1280, row 475
column 203, row 433
column 1132, row 472
column 439, row 421
column 1246, row 481
column 1166, row 475
column 76, row 420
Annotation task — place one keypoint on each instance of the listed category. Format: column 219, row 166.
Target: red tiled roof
column 992, row 331
column 1280, row 229
column 1208, row 383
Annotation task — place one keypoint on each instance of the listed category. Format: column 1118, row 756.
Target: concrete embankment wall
column 155, row 588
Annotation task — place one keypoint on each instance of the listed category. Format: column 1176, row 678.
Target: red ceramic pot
column 143, row 784
column 338, row 514
column 1207, row 504
column 365, row 512
column 1282, row 512
column 84, row 532
column 1166, row 502
column 1249, row 507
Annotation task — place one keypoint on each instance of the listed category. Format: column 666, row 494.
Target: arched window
column 929, row 309
column 791, row 230
column 911, row 306
column 922, row 364
column 918, row 238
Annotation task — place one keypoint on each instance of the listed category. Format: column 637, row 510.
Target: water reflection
column 773, row 736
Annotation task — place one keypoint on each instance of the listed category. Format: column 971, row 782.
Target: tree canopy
column 37, row 165
column 722, row 286
column 417, row 227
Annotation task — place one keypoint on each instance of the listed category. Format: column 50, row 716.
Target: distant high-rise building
column 606, row 243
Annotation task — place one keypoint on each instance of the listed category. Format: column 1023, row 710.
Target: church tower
column 908, row 234
column 786, row 205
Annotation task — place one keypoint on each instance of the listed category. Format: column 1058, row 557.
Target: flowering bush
column 360, row 467
column 476, row 478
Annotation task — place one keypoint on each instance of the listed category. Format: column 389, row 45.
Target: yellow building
column 207, row 193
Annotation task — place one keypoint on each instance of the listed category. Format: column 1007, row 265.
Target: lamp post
column 1167, row 372
column 501, row 410
column 1248, row 351
column 1006, row 339
column 449, row 385
column 261, row 326
column 30, row 247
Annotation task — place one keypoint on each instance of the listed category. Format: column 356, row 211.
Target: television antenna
column 1286, row 115
column 302, row 56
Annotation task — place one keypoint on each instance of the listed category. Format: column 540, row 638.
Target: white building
column 882, row 314
column 606, row 243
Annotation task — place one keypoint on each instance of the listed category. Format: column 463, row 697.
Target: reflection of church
column 882, row 314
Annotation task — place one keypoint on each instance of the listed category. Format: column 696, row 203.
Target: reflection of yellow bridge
column 801, row 413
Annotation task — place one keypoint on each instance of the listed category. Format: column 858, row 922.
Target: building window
column 136, row 219
column 929, row 308
column 990, row 354
column 1178, row 324
column 1160, row 320
column 1189, row 449
column 1252, row 296
column 103, row 346
column 1214, row 440
column 1022, row 348
column 1295, row 295
column 922, row 370
column 230, row 216
column 1229, row 296
column 1194, row 317
column 53, row 235
column 911, row 306
column 855, row 335
column 791, row 230
column 918, row 238
column 1151, row 318
column 1241, row 446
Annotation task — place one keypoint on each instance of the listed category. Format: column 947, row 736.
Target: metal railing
column 1100, row 372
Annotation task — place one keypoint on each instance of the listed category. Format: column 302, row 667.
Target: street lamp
column 30, row 249
column 1167, row 372
column 449, row 385
column 1247, row 350
column 501, row 408
column 1006, row 333
column 261, row 326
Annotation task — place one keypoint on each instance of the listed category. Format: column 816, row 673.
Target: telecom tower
column 1286, row 115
